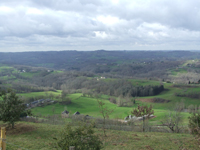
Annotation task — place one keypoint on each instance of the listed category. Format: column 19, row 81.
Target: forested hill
column 70, row 60
column 128, row 63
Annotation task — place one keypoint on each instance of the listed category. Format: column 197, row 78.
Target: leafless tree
column 173, row 120
column 105, row 112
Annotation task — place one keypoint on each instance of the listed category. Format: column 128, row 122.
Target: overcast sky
column 43, row 25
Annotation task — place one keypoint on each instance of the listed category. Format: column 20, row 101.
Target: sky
column 46, row 25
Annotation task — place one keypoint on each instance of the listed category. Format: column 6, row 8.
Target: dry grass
column 40, row 136
column 19, row 128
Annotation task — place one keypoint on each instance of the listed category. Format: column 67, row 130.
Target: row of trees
column 188, row 94
column 125, row 88
column 25, row 87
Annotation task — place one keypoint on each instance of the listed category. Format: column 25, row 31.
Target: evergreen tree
column 11, row 107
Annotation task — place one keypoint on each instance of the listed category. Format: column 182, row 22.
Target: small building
column 48, row 100
column 49, row 70
column 77, row 113
column 34, row 103
column 41, row 101
column 65, row 114
column 88, row 117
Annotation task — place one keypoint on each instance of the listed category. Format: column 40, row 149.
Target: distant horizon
column 95, row 50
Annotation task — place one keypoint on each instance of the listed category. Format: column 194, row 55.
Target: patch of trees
column 124, row 63
column 116, row 88
column 24, row 87
column 186, row 78
column 112, row 100
column 71, row 79
column 124, row 88
column 184, row 86
column 188, row 94
column 146, row 69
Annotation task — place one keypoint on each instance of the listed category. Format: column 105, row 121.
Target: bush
column 66, row 101
column 112, row 100
column 194, row 121
column 82, row 137
column 11, row 107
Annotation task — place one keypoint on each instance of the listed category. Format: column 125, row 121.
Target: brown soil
column 149, row 147
column 154, row 100
column 19, row 129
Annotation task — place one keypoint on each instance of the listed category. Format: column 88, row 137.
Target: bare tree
column 105, row 112
column 173, row 120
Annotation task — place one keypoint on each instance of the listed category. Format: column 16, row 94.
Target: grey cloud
column 96, row 24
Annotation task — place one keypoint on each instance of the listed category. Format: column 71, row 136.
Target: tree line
column 125, row 88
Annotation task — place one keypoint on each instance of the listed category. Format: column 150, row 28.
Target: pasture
column 89, row 106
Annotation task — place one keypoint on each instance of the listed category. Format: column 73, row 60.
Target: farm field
column 89, row 106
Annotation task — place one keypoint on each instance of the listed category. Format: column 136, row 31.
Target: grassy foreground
column 36, row 136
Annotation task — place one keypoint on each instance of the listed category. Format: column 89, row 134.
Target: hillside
column 122, row 80
column 40, row 136
column 123, row 63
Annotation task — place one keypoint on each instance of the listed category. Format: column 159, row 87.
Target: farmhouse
column 65, row 114
column 77, row 113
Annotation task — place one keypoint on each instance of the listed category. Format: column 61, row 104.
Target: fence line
column 3, row 139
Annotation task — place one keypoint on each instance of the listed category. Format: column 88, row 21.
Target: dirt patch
column 19, row 128
column 149, row 147
column 154, row 100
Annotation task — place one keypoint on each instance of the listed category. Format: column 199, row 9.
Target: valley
column 122, row 81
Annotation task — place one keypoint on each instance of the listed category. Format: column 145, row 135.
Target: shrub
column 194, row 121
column 82, row 137
column 112, row 100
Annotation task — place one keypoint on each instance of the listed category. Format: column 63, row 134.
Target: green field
column 29, row 74
column 84, row 105
column 175, row 72
column 9, row 73
column 34, row 94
